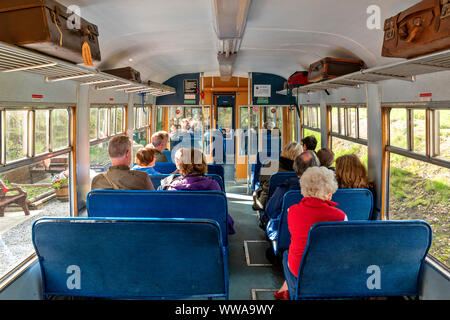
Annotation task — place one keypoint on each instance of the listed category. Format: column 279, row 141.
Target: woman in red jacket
column 317, row 184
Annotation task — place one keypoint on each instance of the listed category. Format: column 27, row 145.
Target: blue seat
column 156, row 180
column 363, row 259
column 165, row 167
column 277, row 179
column 131, row 258
column 356, row 203
column 169, row 167
column 256, row 167
column 160, row 204
column 168, row 155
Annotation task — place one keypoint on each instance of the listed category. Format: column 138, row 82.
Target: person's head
column 159, row 141
column 318, row 182
column 291, row 150
column 145, row 157
column 351, row 173
column 309, row 143
column 304, row 161
column 326, row 157
column 184, row 124
column 191, row 161
column 119, row 150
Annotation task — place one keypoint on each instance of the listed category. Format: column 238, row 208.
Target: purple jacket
column 195, row 183
column 192, row 183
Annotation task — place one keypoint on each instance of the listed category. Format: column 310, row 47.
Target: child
column 145, row 161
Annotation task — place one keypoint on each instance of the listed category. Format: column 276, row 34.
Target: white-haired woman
column 317, row 184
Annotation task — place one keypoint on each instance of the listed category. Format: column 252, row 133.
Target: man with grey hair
column 302, row 162
column 159, row 144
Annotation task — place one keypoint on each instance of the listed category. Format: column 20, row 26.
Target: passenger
column 326, row 158
column 145, row 161
column 351, row 173
column 285, row 164
column 159, row 144
column 318, row 184
column 309, row 143
column 119, row 175
column 273, row 208
column 191, row 163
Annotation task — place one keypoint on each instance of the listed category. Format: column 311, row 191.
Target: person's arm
column 273, row 205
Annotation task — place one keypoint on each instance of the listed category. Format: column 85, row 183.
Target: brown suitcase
column 329, row 68
column 42, row 25
column 126, row 73
column 423, row 28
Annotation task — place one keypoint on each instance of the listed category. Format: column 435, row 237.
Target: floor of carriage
column 251, row 275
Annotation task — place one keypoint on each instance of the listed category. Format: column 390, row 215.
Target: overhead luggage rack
column 13, row 59
column 405, row 70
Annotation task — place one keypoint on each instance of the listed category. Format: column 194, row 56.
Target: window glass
column 93, row 123
column 45, row 187
column 102, row 123
column 119, row 120
column 112, row 118
column 42, row 131
column 421, row 191
column 419, row 131
column 334, row 120
column 99, row 157
column 16, row 134
column 444, row 133
column 398, row 129
column 362, row 123
column 60, row 124
column 341, row 147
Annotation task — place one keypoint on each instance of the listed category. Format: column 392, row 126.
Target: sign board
column 262, row 100
column 426, row 97
column 262, row 90
column 190, row 102
column 190, row 86
column 189, row 96
column 37, row 97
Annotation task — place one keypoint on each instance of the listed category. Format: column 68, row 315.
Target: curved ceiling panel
column 164, row 38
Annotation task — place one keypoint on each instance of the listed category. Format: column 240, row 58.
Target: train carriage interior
column 239, row 81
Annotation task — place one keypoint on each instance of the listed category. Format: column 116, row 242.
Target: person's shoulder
column 138, row 174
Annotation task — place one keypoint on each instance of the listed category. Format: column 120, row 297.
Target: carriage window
column 60, row 129
column 99, row 157
column 16, row 135
column 93, row 123
column 102, row 123
column 44, row 186
column 419, row 172
column 311, row 122
column 42, row 131
column 119, row 120
column 112, row 119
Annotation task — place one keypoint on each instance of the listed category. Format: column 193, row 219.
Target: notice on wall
column 262, row 90
column 190, row 86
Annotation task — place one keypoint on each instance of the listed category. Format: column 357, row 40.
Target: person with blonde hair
column 284, row 164
column 351, row 173
column 317, row 185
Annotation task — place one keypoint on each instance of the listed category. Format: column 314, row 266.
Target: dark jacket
column 260, row 195
column 160, row 157
column 273, row 206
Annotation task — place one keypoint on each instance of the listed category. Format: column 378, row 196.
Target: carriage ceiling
column 163, row 38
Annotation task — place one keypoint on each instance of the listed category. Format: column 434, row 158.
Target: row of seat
column 357, row 258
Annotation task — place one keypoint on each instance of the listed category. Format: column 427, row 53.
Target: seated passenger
column 351, row 173
column 285, row 164
column 159, row 143
column 119, row 175
column 326, row 158
column 145, row 161
column 317, row 185
column 191, row 163
column 273, row 208
column 309, row 143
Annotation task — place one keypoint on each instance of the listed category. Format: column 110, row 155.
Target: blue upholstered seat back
column 156, row 180
column 169, row 167
column 277, row 179
column 168, row 155
column 160, row 204
column 356, row 203
column 131, row 258
column 363, row 258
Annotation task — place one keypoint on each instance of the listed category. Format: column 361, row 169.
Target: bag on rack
column 297, row 79
column 126, row 73
column 423, row 28
column 329, row 68
column 48, row 27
